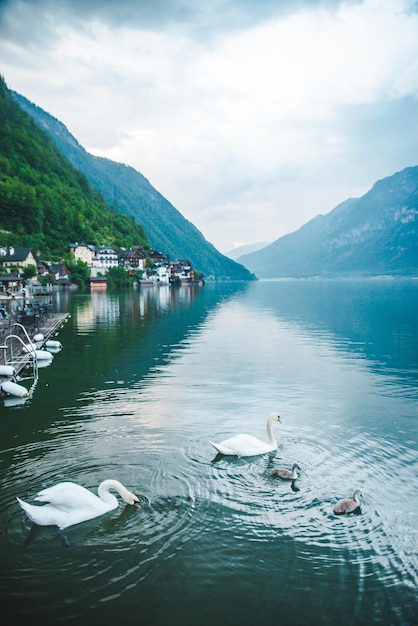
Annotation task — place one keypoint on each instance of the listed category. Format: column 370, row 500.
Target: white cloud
column 249, row 132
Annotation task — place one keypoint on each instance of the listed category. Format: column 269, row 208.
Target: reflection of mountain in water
column 376, row 318
column 121, row 337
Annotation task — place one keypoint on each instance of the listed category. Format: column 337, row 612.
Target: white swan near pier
column 69, row 503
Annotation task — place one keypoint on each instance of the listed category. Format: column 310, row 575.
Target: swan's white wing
column 66, row 504
column 251, row 446
column 47, row 515
column 222, row 449
column 243, row 445
column 67, row 496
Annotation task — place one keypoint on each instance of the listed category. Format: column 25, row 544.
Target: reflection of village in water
column 107, row 310
column 28, row 325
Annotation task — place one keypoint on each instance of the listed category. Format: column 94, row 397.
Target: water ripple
column 382, row 540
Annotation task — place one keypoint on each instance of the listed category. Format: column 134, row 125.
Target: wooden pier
column 17, row 332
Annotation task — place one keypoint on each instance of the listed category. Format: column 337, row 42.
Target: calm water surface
column 144, row 381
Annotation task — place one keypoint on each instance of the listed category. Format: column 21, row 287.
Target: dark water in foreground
column 144, row 380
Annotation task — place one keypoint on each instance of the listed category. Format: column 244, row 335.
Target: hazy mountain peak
column 368, row 236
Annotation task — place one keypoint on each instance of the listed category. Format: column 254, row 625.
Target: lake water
column 144, row 380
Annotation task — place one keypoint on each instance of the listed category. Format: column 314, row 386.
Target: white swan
column 286, row 474
column 70, row 504
column 246, row 445
column 349, row 505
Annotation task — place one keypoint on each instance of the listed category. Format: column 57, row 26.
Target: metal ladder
column 16, row 355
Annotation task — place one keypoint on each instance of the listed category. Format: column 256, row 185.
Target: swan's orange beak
column 279, row 420
column 137, row 505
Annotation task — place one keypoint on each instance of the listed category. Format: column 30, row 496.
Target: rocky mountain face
column 376, row 234
column 129, row 192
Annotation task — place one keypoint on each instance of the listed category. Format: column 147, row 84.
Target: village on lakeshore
column 21, row 270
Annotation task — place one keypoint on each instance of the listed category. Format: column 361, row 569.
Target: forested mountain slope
column 45, row 203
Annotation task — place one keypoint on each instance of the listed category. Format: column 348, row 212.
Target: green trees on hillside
column 119, row 277
column 78, row 271
column 45, row 203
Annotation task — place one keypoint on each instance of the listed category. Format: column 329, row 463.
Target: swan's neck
column 270, row 436
column 105, row 487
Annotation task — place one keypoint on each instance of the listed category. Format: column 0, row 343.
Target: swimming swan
column 70, row 504
column 349, row 505
column 285, row 473
column 246, row 445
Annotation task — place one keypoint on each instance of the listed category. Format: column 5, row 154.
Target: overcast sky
column 249, row 116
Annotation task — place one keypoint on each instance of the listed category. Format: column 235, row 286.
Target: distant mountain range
column 376, row 234
column 239, row 251
column 128, row 192
column 368, row 236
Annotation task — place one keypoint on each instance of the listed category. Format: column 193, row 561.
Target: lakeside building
column 151, row 265
column 18, row 258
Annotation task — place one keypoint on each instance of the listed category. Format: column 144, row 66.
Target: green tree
column 29, row 271
column 78, row 272
column 118, row 277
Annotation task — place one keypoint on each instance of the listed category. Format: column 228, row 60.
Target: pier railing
column 17, row 353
